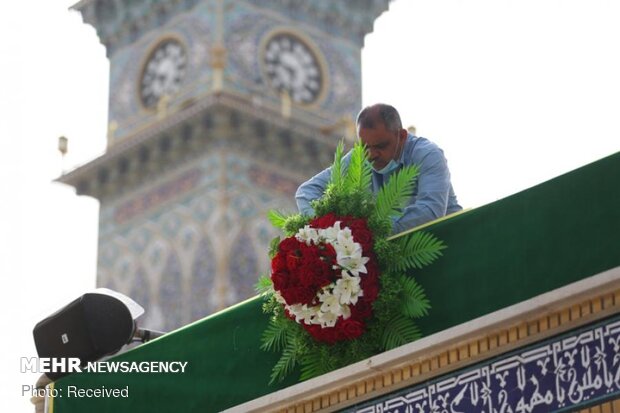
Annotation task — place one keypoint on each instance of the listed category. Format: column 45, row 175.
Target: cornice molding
column 193, row 130
column 119, row 23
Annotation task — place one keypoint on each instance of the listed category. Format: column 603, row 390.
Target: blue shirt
column 433, row 195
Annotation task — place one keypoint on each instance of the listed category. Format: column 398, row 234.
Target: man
column 390, row 147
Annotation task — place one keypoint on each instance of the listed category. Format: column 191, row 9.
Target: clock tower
column 218, row 110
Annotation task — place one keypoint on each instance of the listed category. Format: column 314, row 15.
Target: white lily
column 327, row 319
column 330, row 234
column 308, row 235
column 345, row 235
column 330, row 304
column 348, row 289
column 355, row 264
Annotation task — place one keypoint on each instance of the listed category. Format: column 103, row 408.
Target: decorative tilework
column 141, row 290
column 202, row 208
column 171, row 295
column 171, row 224
column 272, row 180
column 139, row 239
column 243, row 267
column 243, row 205
column 244, row 28
column 157, row 196
column 203, row 281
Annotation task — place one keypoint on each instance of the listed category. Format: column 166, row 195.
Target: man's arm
column 314, row 188
column 432, row 196
column 310, row 190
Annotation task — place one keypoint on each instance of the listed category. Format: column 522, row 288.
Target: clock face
column 163, row 72
column 292, row 67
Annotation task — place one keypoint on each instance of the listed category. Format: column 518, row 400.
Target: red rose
column 361, row 233
column 292, row 261
column 280, row 280
column 321, row 279
column 310, row 256
column 301, row 295
column 349, row 221
column 314, row 330
column 325, row 221
column 372, row 269
column 362, row 310
column 371, row 291
column 365, row 240
column 351, row 328
column 307, row 276
column 289, row 244
column 325, row 335
column 328, row 251
column 278, row 263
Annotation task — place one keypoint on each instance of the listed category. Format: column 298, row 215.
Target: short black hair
column 380, row 113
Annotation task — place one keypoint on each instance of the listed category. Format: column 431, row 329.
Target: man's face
column 383, row 145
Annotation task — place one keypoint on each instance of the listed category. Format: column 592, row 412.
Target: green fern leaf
column 393, row 196
column 413, row 299
column 274, row 337
column 285, row 364
column 336, row 172
column 276, row 218
column 264, row 285
column 358, row 172
column 417, row 250
column 398, row 331
column 313, row 365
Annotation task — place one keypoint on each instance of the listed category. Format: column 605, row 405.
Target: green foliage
column 276, row 218
column 414, row 303
column 271, row 305
column 336, row 180
column 357, row 204
column 417, row 250
column 316, row 363
column 398, row 331
column 285, row 364
column 386, row 252
column 358, row 175
column 393, row 196
column 273, row 247
column 380, row 226
column 264, row 285
column 385, row 306
column 275, row 336
column 294, row 223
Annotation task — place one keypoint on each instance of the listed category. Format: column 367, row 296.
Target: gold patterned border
column 607, row 407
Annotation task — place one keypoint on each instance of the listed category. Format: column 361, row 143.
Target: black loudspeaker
column 89, row 328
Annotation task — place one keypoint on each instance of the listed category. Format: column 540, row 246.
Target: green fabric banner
column 527, row 244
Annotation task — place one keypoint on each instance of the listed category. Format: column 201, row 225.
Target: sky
column 514, row 92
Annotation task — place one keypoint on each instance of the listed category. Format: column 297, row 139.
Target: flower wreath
column 338, row 292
